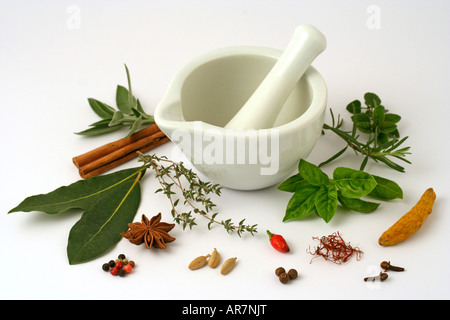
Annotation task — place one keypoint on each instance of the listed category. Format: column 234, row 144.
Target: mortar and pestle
column 245, row 116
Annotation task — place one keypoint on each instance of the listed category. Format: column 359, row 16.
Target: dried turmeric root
column 410, row 222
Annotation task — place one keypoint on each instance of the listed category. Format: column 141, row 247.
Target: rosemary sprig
column 380, row 129
column 171, row 176
column 129, row 113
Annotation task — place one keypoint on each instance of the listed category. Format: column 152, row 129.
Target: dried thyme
column 195, row 192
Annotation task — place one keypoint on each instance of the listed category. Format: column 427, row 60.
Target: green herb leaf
column 386, row 189
column 98, row 129
column 354, row 107
column 101, row 109
column 326, row 201
column 292, row 183
column 357, row 205
column 100, row 226
column 136, row 125
column 122, row 100
column 312, row 173
column 130, row 113
column 82, row 194
column 379, row 127
column 353, row 183
column 372, row 100
column 378, row 116
column 301, row 203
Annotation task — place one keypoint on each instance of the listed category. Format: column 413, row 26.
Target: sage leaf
column 325, row 201
column 101, row 109
column 386, row 189
column 117, row 118
column 136, row 125
column 100, row 226
column 312, row 173
column 99, row 129
column 353, row 183
column 82, row 194
column 302, row 203
column 357, row 205
column 122, row 100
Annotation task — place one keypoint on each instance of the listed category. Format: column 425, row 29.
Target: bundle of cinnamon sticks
column 110, row 155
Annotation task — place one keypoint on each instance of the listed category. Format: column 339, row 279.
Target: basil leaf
column 301, row 204
column 100, row 226
column 386, row 189
column 101, row 109
column 292, row 183
column 312, row 173
column 353, row 183
column 357, row 205
column 82, row 194
column 326, row 202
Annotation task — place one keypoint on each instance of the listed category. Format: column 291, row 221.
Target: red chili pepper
column 278, row 242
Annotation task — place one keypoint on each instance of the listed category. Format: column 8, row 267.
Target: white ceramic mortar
column 209, row 90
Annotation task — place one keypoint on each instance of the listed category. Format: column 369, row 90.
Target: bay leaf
column 82, row 194
column 100, row 226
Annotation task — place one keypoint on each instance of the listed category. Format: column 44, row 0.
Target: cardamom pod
column 198, row 262
column 228, row 265
column 214, row 260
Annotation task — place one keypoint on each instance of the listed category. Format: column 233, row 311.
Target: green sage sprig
column 379, row 128
column 129, row 113
column 314, row 191
column 173, row 176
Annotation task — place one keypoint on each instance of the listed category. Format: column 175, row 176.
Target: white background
column 56, row 54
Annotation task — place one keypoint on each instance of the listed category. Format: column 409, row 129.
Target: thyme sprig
column 380, row 129
column 195, row 192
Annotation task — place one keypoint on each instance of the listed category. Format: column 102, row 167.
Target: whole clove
column 386, row 265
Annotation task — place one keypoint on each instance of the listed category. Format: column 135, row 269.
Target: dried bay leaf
column 100, row 226
column 110, row 203
column 81, row 194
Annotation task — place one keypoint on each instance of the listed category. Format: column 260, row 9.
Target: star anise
column 151, row 232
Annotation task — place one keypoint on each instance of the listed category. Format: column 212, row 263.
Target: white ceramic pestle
column 262, row 108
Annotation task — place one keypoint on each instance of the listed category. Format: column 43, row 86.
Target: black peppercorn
column 105, row 267
column 122, row 273
column 121, row 256
column 112, row 263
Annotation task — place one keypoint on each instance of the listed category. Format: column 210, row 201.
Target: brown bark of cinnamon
column 110, row 155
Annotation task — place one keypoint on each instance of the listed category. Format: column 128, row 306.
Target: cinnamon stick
column 110, row 155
